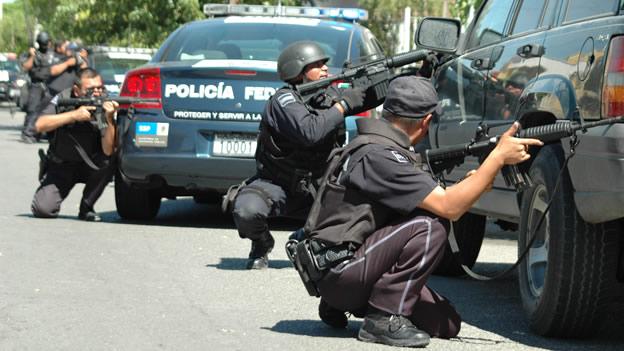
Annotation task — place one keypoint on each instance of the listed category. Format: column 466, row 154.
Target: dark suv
column 539, row 62
column 213, row 78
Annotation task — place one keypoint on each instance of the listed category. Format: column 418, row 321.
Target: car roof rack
column 336, row 13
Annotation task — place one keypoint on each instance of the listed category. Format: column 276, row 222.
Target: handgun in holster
column 43, row 164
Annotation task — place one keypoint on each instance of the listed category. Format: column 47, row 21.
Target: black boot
column 333, row 317
column 393, row 330
column 259, row 254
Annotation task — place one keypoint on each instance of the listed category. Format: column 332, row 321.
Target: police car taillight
column 240, row 72
column 143, row 83
column 613, row 86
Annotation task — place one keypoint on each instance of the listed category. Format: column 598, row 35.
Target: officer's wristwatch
column 344, row 105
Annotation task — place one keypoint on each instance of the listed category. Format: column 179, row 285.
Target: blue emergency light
column 349, row 14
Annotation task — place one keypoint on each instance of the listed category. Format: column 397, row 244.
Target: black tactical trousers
column 36, row 97
column 261, row 200
column 389, row 272
column 60, row 178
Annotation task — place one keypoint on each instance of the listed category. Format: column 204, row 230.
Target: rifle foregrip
column 549, row 132
column 407, row 58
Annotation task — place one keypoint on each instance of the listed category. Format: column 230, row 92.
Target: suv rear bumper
column 186, row 171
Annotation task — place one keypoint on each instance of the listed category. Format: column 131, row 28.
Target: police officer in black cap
column 394, row 218
column 294, row 142
column 42, row 66
column 79, row 152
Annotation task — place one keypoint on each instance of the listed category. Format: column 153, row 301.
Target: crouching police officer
column 294, row 142
column 380, row 222
column 78, row 152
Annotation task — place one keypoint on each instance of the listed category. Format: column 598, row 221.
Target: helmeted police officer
column 43, row 65
column 78, row 152
column 393, row 217
column 294, row 142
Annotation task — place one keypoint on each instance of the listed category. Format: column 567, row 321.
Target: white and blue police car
column 213, row 78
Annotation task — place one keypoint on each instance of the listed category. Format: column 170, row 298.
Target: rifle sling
column 83, row 153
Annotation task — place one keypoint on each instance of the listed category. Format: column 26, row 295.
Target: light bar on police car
column 352, row 14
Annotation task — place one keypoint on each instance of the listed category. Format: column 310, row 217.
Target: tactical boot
column 393, row 330
column 259, row 254
column 333, row 317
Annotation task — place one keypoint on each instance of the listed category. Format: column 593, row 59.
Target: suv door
column 514, row 64
column 461, row 81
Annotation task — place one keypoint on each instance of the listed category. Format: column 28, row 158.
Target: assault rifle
column 448, row 157
column 97, row 117
column 372, row 76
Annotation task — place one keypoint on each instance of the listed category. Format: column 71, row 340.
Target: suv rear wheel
column 469, row 232
column 569, row 273
column 135, row 203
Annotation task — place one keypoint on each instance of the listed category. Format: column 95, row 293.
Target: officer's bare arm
column 108, row 139
column 455, row 200
column 46, row 123
column 28, row 64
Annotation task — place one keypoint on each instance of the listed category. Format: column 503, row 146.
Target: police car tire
column 469, row 231
column 135, row 203
column 567, row 293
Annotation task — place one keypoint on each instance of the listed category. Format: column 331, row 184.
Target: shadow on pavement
column 185, row 212
column 308, row 327
column 495, row 306
column 239, row 263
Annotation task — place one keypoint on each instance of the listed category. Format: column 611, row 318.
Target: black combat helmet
column 296, row 56
column 43, row 39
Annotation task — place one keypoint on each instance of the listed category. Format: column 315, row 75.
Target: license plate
column 234, row 145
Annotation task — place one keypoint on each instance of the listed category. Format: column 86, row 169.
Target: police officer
column 42, row 66
column 294, row 142
column 394, row 218
column 78, row 152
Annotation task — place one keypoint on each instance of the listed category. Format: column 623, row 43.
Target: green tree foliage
column 383, row 15
column 114, row 22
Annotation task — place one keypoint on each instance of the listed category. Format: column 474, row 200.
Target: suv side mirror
column 438, row 34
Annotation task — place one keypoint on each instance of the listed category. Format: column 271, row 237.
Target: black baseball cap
column 412, row 97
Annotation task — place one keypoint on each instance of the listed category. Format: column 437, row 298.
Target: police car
column 11, row 78
column 113, row 62
column 214, row 77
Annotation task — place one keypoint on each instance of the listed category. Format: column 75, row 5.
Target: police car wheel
column 135, row 203
column 570, row 271
column 469, row 231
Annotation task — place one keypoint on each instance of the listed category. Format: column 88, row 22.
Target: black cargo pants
column 389, row 272
column 36, row 97
column 260, row 200
column 60, row 178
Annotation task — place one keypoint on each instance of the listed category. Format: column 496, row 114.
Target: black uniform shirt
column 387, row 174
column 288, row 115
column 66, row 137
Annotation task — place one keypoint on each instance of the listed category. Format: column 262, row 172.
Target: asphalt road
column 179, row 283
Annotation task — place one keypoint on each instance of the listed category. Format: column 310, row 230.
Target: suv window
column 579, row 9
column 529, row 16
column 491, row 23
column 260, row 40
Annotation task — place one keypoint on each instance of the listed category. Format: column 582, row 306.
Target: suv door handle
column 531, row 50
column 481, row 64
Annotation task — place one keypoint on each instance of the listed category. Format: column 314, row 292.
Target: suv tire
column 567, row 276
column 469, row 232
column 135, row 203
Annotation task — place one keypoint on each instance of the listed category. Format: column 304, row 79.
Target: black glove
column 428, row 65
column 353, row 98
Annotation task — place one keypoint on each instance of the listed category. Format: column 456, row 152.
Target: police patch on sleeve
column 286, row 99
column 400, row 158
column 54, row 100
